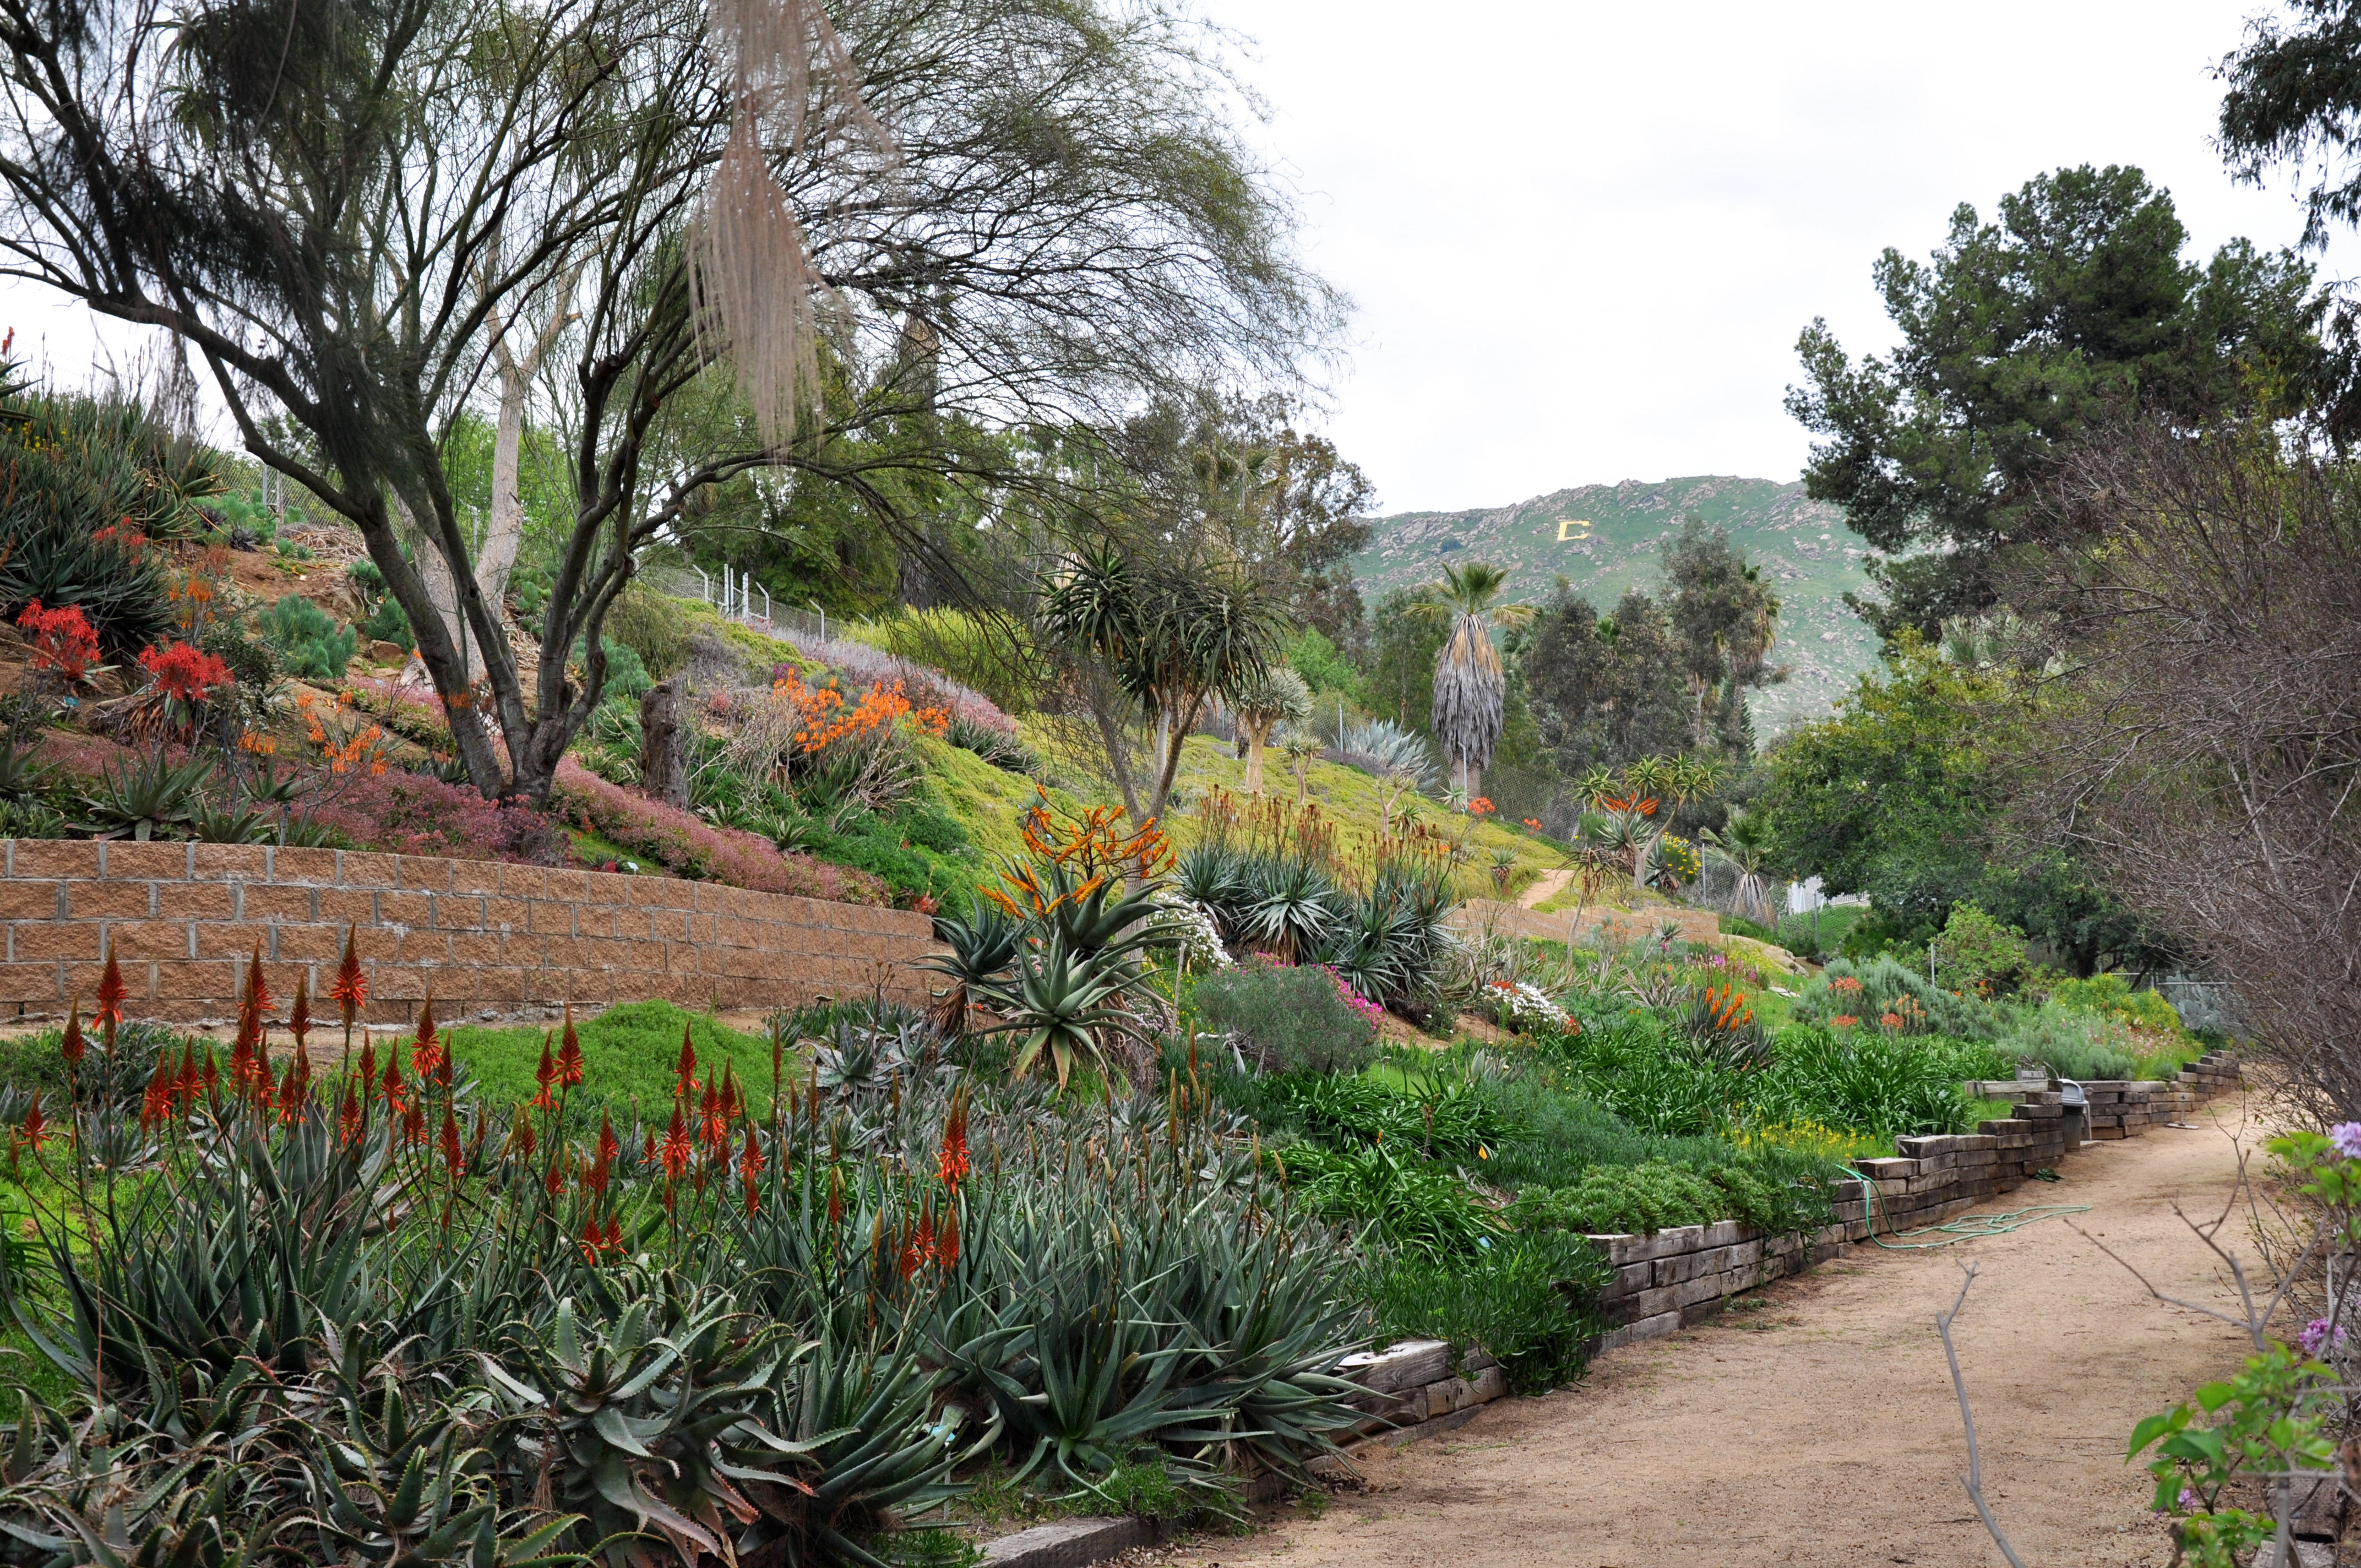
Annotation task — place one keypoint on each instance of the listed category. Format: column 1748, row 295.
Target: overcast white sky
column 1583, row 236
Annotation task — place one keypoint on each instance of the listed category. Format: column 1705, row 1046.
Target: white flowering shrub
column 1192, row 930
column 1526, row 1007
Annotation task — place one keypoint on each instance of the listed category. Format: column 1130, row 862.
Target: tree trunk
column 1255, row 737
column 665, row 731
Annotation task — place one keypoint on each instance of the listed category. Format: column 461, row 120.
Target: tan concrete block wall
column 488, row 939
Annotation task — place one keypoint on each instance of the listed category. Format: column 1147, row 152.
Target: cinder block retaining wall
column 1678, row 1277
column 489, row 938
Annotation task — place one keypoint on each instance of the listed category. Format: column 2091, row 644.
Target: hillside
column 1801, row 544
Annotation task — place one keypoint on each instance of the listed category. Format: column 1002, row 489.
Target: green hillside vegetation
column 1802, row 546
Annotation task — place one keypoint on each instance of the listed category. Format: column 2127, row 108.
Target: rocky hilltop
column 1606, row 538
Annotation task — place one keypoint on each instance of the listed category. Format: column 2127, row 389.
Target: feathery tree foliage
column 332, row 201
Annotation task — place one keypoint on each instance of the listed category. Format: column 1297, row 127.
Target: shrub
column 84, row 483
column 859, row 665
column 1872, row 1082
column 1978, row 953
column 1871, row 988
column 2112, row 995
column 1771, row 1190
column 653, row 627
column 675, row 839
column 1410, row 1206
column 1290, row 1019
column 1530, row 1300
column 1620, row 1200
column 2074, row 1044
column 310, row 640
column 410, row 813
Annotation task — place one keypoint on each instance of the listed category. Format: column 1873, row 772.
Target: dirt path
column 1548, row 885
column 1819, row 1427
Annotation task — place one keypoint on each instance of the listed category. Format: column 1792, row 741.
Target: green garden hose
column 1967, row 1228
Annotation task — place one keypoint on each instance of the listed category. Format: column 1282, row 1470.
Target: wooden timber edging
column 492, row 939
column 1675, row 1277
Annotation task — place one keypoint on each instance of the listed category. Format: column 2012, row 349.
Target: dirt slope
column 1820, row 1429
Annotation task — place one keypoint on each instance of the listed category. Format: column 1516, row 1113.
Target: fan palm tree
column 1744, row 846
column 1470, row 687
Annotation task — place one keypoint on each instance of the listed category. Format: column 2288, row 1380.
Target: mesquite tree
column 340, row 204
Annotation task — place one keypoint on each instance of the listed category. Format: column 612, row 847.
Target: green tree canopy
column 2019, row 335
column 1903, row 795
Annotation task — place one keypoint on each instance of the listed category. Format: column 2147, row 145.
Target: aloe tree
column 1171, row 632
column 1266, row 699
column 1471, row 688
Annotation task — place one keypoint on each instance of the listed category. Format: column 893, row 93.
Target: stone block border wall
column 491, row 939
column 1679, row 1277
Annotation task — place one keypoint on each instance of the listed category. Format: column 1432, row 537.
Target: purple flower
column 2319, row 1335
column 2346, row 1136
column 2190, row 1501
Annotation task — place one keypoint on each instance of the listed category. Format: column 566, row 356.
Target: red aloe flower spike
column 947, row 1239
column 425, row 1052
column 676, row 1146
column 191, row 1082
column 37, row 1128
column 924, row 1243
column 368, row 1071
column 729, row 1102
column 414, row 1126
column 452, row 1159
column 257, row 991
column 554, row 1182
column 521, row 1136
column 348, row 1120
column 608, row 1145
column 711, row 1128
column 685, row 1074
column 73, row 1047
column 393, row 1087
column 299, row 1018
column 614, row 1235
column 592, row 1240
column 111, row 995
column 569, row 1053
column 545, row 1075
column 953, row 1163
column 648, row 1149
column 350, row 990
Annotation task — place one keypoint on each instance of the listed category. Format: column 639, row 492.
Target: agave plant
column 981, row 947
column 1067, row 1002
column 686, row 1420
column 139, row 802
column 231, row 822
column 1293, row 907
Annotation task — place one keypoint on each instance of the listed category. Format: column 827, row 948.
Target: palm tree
column 1470, row 688
column 1744, row 846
